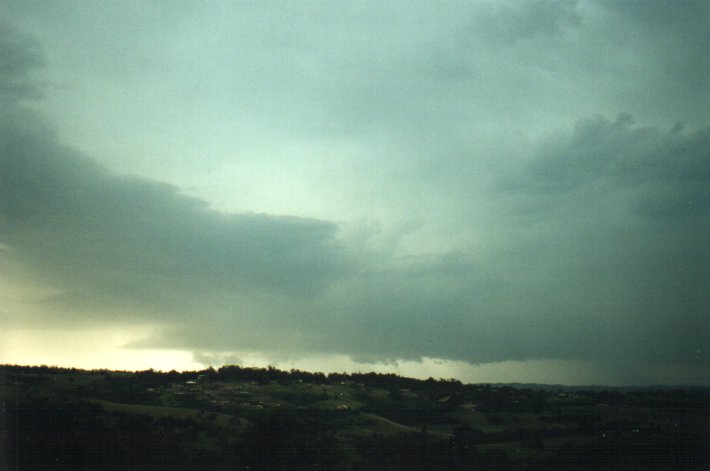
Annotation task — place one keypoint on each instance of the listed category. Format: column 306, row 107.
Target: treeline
column 488, row 397
column 267, row 375
column 240, row 373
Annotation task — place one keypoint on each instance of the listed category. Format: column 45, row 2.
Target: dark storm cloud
column 586, row 244
column 623, row 212
column 662, row 46
column 61, row 208
column 510, row 22
column 590, row 270
column 621, row 155
column 19, row 57
column 102, row 238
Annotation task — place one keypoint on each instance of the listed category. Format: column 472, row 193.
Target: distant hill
column 598, row 387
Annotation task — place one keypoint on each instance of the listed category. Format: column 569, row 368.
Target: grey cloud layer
column 110, row 236
column 19, row 56
column 586, row 244
column 62, row 207
column 594, row 288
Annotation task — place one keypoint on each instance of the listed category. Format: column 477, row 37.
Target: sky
column 494, row 191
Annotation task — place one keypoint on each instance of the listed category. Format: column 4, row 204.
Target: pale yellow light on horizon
column 105, row 348
column 89, row 349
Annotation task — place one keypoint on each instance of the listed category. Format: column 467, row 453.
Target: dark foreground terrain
column 247, row 418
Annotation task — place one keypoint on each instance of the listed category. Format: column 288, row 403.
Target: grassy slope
column 221, row 420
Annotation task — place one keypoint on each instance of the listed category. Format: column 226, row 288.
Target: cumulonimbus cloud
column 603, row 255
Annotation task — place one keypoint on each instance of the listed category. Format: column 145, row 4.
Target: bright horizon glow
column 101, row 349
